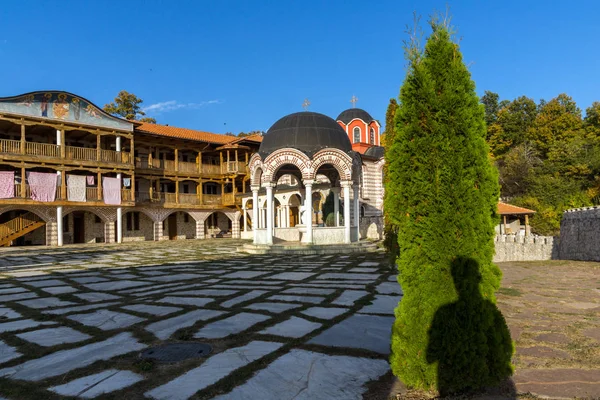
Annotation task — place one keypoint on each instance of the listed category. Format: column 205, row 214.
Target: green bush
column 442, row 195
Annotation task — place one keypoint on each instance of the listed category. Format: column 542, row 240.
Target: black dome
column 352, row 113
column 306, row 131
column 375, row 152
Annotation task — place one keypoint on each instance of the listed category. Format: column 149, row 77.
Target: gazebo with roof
column 304, row 145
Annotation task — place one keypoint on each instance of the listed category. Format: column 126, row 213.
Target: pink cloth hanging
column 90, row 180
column 7, row 184
column 42, row 186
column 111, row 188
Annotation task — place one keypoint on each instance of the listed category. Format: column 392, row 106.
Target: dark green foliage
column 128, row 105
column 441, row 193
column 390, row 230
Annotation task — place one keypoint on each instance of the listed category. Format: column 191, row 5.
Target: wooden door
column 78, row 227
column 172, row 226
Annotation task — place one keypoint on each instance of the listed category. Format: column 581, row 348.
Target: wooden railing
column 211, row 199
column 18, row 224
column 188, row 167
column 42, row 149
column 228, row 198
column 93, row 194
column 189, row 198
column 80, row 153
column 210, row 169
column 10, row 146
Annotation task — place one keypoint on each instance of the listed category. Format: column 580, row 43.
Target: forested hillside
column 548, row 155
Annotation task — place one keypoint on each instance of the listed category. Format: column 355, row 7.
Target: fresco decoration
column 61, row 106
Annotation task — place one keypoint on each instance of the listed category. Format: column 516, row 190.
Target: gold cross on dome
column 305, row 104
column 353, row 100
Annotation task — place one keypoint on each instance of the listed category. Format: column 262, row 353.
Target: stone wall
column 525, row 248
column 580, row 234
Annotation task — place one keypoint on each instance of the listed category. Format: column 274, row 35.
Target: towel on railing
column 7, row 184
column 111, row 187
column 126, row 182
column 76, row 188
column 42, row 186
column 90, row 180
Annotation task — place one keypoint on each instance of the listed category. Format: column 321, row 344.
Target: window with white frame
column 356, row 135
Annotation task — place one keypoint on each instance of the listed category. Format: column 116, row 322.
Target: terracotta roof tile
column 183, row 133
column 509, row 209
column 253, row 138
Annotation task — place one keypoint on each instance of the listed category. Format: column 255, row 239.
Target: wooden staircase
column 15, row 228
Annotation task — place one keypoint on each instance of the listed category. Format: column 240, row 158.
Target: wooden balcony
column 171, row 199
column 93, row 194
column 190, row 168
column 45, row 150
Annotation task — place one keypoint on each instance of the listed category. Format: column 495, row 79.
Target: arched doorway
column 137, row 226
column 180, row 225
column 82, row 227
column 218, row 225
column 294, row 204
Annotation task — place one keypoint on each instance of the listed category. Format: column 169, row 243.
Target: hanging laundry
column 127, row 182
column 42, row 186
column 111, row 187
column 90, row 180
column 76, row 190
column 7, row 184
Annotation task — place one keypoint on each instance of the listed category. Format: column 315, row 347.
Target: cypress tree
column 389, row 228
column 443, row 192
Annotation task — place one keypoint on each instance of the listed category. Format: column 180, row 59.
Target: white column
column 309, row 211
column 119, row 224
column 336, row 205
column 357, row 211
column 118, row 143
column 59, row 225
column 346, row 186
column 255, row 210
column 286, row 216
column 269, row 187
column 245, row 219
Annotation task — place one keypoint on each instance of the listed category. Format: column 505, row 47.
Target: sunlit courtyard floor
column 74, row 320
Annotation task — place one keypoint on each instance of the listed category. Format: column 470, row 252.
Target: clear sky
column 236, row 66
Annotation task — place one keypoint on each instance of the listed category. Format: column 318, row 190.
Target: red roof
column 509, row 209
column 183, row 133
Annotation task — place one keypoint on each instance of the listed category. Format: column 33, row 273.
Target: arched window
column 357, row 135
column 372, row 136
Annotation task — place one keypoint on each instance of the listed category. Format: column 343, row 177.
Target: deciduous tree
column 128, row 105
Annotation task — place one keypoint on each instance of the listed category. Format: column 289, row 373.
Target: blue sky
column 237, row 66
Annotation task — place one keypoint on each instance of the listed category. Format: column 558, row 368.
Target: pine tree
column 442, row 192
column 389, row 228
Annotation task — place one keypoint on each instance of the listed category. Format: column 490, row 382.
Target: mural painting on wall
column 61, row 106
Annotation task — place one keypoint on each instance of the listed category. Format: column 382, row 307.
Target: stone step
column 305, row 249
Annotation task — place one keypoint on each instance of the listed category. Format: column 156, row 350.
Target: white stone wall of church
column 372, row 190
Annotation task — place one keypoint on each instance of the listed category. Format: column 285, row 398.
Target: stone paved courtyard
column 74, row 321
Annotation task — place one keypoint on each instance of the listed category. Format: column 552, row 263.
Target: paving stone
column 7, row 352
column 46, row 283
column 302, row 290
column 543, row 352
column 367, row 270
column 559, row 383
column 245, row 297
column 232, row 325
column 53, row 336
column 552, row 337
column 7, row 313
column 93, row 297
column 21, row 325
column 150, row 309
column 17, row 296
column 348, row 297
column 61, row 362
column 12, row 290
column 310, row 376
column 389, row 288
column 214, row 369
column 61, row 311
column 165, row 328
column 92, row 386
column 593, row 333
column 296, row 299
column 292, row 276
column 244, row 274
column 343, row 276
column 89, row 279
column 174, row 277
column 115, row 285
column 359, row 331
column 273, row 307
column 188, row 301
column 106, row 319
column 324, row 313
column 294, row 327
column 368, row 264
column 59, row 289
column 46, row 302
column 206, row 292
column 381, row 305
